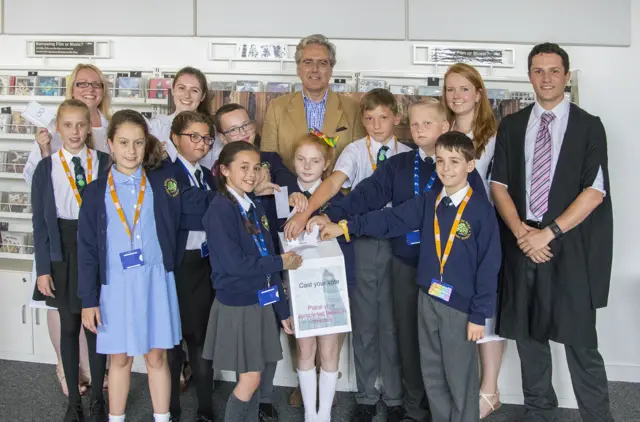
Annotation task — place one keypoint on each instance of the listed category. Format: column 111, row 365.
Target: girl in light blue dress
column 127, row 242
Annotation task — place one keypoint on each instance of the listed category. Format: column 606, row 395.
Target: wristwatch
column 557, row 232
column 345, row 229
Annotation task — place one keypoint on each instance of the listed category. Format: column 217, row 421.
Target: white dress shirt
column 312, row 188
column 35, row 156
column 66, row 203
column 195, row 238
column 355, row 160
column 244, row 201
column 557, row 129
column 457, row 197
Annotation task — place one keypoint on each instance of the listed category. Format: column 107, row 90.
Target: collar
column 244, row 201
column 423, row 155
column 103, row 120
column 190, row 167
column 68, row 156
column 560, row 110
column 377, row 145
column 457, row 197
column 309, row 100
column 312, row 188
column 119, row 177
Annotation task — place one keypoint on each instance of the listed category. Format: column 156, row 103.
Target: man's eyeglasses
column 247, row 127
column 96, row 85
column 196, row 137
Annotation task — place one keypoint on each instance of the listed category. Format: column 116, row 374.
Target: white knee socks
column 116, row 418
column 308, row 388
column 328, row 382
column 161, row 417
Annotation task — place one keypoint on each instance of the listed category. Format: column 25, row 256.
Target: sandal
column 486, row 398
column 63, row 382
column 85, row 379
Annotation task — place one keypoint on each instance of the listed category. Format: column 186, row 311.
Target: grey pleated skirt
column 242, row 338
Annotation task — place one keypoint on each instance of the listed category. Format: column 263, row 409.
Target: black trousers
column 70, row 324
column 195, row 296
column 405, row 312
column 588, row 377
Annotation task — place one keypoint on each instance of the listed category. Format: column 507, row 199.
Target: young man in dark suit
column 550, row 184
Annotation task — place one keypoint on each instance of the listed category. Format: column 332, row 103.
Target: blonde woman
column 469, row 111
column 88, row 85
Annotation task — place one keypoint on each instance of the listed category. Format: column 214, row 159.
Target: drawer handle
column 37, row 316
column 24, row 314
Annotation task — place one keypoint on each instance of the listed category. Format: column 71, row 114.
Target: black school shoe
column 364, row 413
column 202, row 418
column 396, row 414
column 267, row 413
column 97, row 412
column 74, row 412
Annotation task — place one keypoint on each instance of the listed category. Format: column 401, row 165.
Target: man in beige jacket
column 290, row 116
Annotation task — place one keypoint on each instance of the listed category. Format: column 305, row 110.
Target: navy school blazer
column 182, row 176
column 46, row 234
column 173, row 212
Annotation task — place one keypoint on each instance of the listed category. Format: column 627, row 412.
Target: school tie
column 447, row 201
column 382, row 154
column 307, row 194
column 81, row 181
column 198, row 174
column 428, row 160
column 251, row 214
column 541, row 169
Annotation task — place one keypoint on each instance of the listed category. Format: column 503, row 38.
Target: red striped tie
column 541, row 170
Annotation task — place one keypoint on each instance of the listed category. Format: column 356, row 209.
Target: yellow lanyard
column 72, row 182
column 452, row 234
column 373, row 162
column 116, row 202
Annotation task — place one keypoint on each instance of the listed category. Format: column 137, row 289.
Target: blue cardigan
column 473, row 264
column 182, row 176
column 172, row 213
column 46, row 234
column 238, row 270
column 393, row 182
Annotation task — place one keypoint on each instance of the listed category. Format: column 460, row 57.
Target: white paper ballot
column 306, row 239
column 282, row 202
column 38, row 115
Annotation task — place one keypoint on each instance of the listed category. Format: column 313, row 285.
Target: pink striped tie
column 541, row 169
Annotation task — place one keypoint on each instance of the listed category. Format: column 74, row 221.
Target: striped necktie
column 382, row 154
column 541, row 169
column 81, row 181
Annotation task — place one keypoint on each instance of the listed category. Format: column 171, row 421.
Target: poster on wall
column 65, row 48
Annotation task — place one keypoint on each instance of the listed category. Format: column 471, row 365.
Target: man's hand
column 535, row 240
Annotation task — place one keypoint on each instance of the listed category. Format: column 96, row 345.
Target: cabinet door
column 15, row 331
column 42, row 346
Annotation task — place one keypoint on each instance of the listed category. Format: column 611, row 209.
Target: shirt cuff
column 499, row 183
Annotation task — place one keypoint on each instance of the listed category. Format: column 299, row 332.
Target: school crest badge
column 266, row 165
column 171, row 186
column 265, row 222
column 464, row 230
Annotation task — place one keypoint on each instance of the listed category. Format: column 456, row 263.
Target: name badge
column 268, row 296
column 131, row 259
column 204, row 250
column 413, row 238
column 440, row 290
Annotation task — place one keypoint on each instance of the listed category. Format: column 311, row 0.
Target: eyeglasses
column 247, row 127
column 96, row 85
column 196, row 137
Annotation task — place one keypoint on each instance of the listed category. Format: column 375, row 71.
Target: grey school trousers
column 375, row 346
column 449, row 362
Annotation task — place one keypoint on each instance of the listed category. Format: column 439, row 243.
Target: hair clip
column 331, row 141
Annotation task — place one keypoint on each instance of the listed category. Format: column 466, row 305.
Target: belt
column 535, row 224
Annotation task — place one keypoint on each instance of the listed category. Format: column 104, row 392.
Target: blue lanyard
column 195, row 182
column 416, row 177
column 262, row 247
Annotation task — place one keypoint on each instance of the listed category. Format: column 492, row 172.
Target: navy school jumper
column 393, row 182
column 173, row 212
column 473, row 264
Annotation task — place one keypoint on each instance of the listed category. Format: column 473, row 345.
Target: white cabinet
column 42, row 346
column 15, row 330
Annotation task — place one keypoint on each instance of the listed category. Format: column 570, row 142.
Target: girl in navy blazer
column 126, row 284
column 192, row 135
column 242, row 335
column 56, row 194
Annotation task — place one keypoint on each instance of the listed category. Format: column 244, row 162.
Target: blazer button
column 103, row 232
column 101, row 215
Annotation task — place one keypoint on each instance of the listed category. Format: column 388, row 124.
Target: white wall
column 608, row 88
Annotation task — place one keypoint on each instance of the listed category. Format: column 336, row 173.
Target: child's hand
column 318, row 220
column 91, row 319
column 299, row 201
column 45, row 285
column 286, row 325
column 331, row 231
column 475, row 332
column 291, row 261
column 295, row 225
column 265, row 188
column 43, row 138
